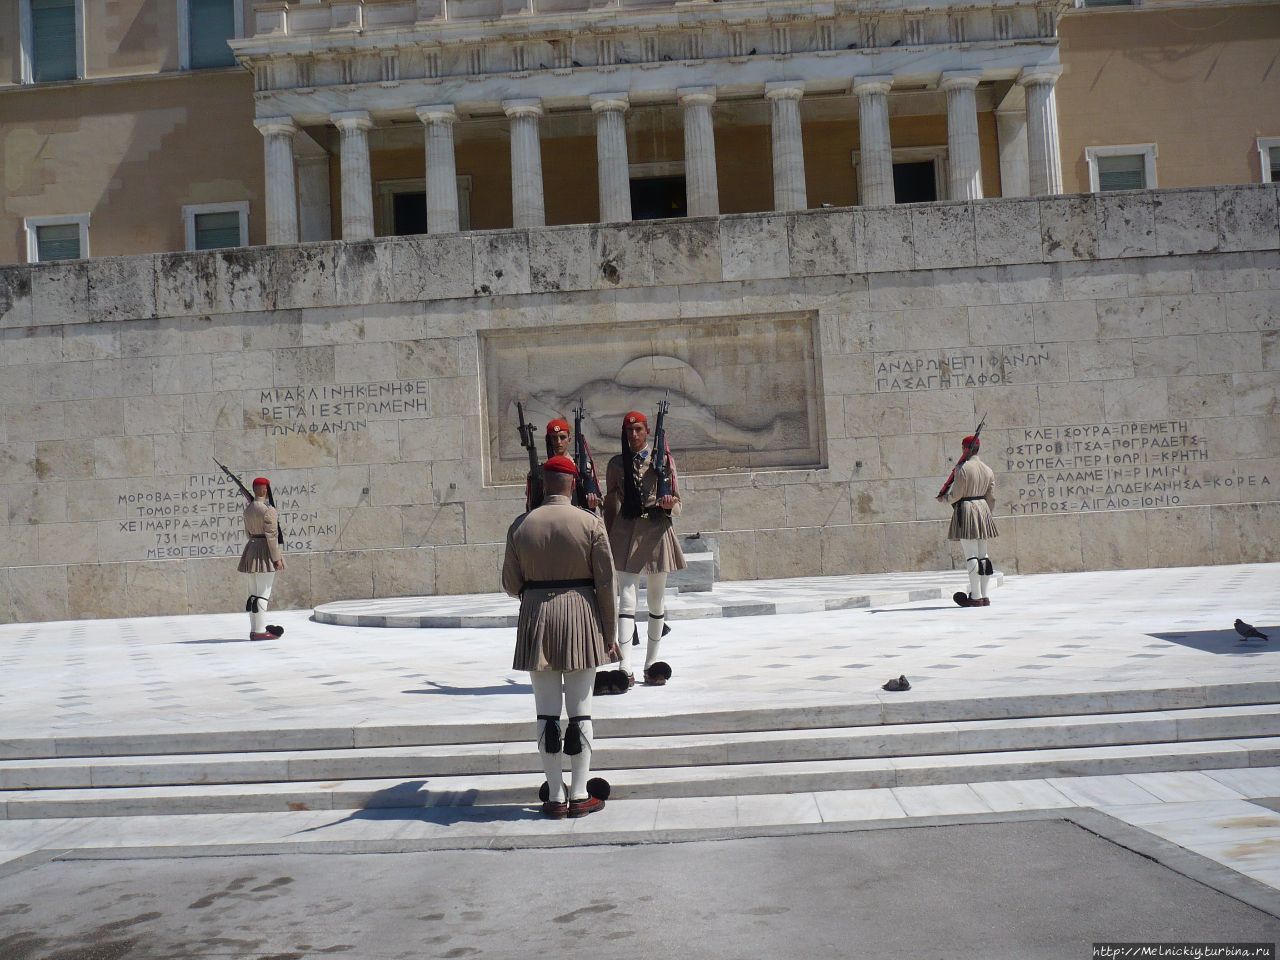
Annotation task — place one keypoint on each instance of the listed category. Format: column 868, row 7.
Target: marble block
column 1007, row 231
column 186, row 283
column 500, row 263
column 36, row 593
column 754, row 247
column 122, row 288
column 620, row 256
column 97, row 590
column 15, row 296
column 883, row 238
column 686, row 252
column 1247, row 218
column 943, row 235
column 560, row 260
column 363, row 271
column 60, row 292
column 446, row 267
column 1126, row 224
column 1068, row 228
column 247, row 279
column 823, row 243
column 1186, row 221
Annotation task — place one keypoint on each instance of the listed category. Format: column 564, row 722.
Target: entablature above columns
column 290, row 51
column 909, row 73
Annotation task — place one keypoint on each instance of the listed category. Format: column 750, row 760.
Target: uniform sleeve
column 603, row 575
column 512, row 575
column 991, row 490
column 613, row 492
column 270, row 526
column 675, row 486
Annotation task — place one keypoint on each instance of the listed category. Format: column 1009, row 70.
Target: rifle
column 961, row 462
column 534, row 498
column 248, row 495
column 661, row 457
column 588, row 483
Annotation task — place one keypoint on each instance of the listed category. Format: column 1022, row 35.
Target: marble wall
column 1124, row 349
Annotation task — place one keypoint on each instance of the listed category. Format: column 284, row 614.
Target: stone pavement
column 1104, row 643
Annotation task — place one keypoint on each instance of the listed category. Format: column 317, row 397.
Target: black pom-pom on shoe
column 275, row 630
column 544, row 792
column 657, row 673
column 599, row 788
column 603, row 684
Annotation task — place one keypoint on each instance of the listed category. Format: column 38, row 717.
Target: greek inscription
column 205, row 519
column 337, row 408
column 898, row 372
column 1114, row 466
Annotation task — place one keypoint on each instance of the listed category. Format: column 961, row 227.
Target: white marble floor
column 1049, row 634
column 1096, row 632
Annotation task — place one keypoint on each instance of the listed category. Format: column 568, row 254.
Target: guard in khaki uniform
column 261, row 558
column 558, row 563
column 972, row 498
column 644, row 543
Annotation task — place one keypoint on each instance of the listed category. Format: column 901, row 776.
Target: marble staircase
column 897, row 743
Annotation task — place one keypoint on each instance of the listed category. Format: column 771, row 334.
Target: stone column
column 788, row 148
column 875, row 164
column 528, row 208
column 964, row 159
column 1044, row 154
column 357, row 186
column 281, row 187
column 314, row 208
column 702, row 186
column 442, row 173
column 1011, row 133
column 611, row 156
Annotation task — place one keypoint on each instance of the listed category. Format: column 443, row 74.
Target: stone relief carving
column 744, row 392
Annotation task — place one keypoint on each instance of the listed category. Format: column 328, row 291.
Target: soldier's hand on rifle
column 667, row 502
column 942, row 498
column 614, row 654
column 592, row 501
column 278, row 564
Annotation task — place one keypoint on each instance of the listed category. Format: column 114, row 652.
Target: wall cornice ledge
column 578, row 259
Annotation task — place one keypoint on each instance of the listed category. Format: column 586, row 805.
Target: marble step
column 887, row 709
column 519, row 756
column 744, row 779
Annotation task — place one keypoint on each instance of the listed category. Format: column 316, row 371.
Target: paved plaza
column 1107, row 725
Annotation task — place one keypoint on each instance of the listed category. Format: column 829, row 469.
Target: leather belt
column 967, row 499
column 558, row 584
column 257, row 536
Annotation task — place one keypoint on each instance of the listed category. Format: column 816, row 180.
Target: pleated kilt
column 972, row 520
column 645, row 546
column 559, row 629
column 256, row 557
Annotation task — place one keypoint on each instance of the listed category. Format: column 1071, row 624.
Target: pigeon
column 1248, row 631
column 576, row 63
column 851, row 46
column 751, row 52
column 897, row 685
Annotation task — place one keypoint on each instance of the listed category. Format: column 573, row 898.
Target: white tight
column 974, row 550
column 655, row 597
column 260, row 586
column 551, row 689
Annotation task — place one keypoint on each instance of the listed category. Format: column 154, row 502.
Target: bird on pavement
column 897, row 685
column 1248, row 631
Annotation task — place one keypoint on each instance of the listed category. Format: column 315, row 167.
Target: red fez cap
column 558, row 424
column 970, row 441
column 635, row 416
column 261, row 480
column 560, row 465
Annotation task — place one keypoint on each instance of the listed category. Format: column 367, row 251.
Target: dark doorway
column 409, row 213
column 914, row 182
column 656, row 198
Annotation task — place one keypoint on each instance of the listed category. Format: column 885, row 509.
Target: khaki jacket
column 262, row 551
column 648, row 543
column 561, row 628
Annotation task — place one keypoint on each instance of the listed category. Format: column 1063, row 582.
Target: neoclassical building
column 681, row 76
column 130, row 127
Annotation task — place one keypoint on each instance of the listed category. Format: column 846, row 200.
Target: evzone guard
column 586, row 491
column 559, row 564
column 263, row 555
column 971, row 492
column 642, row 495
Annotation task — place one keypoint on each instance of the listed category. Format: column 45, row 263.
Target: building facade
column 134, row 128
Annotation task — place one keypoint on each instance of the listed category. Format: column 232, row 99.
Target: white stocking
column 628, row 583
column 655, row 596
column 546, row 698
column 577, row 700
column 260, row 585
column 975, row 551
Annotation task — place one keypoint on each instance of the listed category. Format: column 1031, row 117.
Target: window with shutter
column 211, row 25
column 59, row 241
column 1274, row 153
column 53, row 40
column 1106, row 3
column 215, row 230
column 1124, row 172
